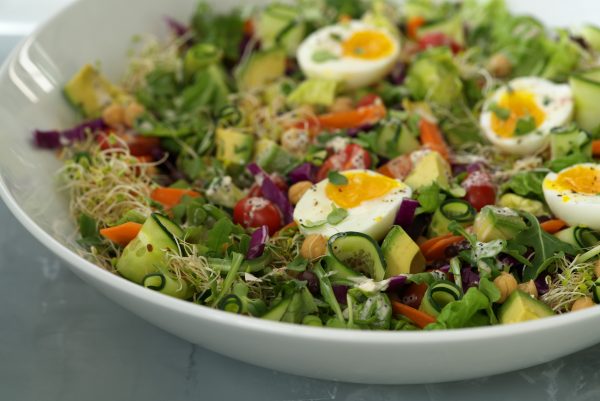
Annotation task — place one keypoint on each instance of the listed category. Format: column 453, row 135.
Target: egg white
column 556, row 101
column 374, row 217
column 576, row 209
column 354, row 72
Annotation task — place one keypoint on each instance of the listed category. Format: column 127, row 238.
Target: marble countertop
column 62, row 340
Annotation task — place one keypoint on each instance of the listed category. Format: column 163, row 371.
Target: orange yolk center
column 580, row 179
column 361, row 187
column 367, row 45
column 520, row 104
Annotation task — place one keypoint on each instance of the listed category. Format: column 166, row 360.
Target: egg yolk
column 367, row 45
column 580, row 179
column 520, row 104
column 361, row 187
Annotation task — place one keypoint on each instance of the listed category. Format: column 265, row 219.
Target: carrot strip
column 123, row 233
column 596, row 148
column 170, row 197
column 369, row 114
column 553, row 226
column 435, row 248
column 432, row 137
column 413, row 25
column 421, row 319
column 425, row 246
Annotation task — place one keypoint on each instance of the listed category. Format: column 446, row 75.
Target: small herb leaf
column 337, row 215
column 500, row 112
column 525, row 125
column 336, row 178
column 322, row 56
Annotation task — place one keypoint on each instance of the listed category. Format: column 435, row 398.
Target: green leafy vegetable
column 546, row 247
column 500, row 112
column 527, row 184
column 336, row 178
column 88, row 228
column 337, row 215
column 322, row 56
column 470, row 311
column 525, row 125
column 224, row 31
column 564, row 162
column 430, row 198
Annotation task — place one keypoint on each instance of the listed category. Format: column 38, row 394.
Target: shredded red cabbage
column 406, row 214
column 272, row 192
column 259, row 238
column 469, row 278
column 304, row 172
column 340, row 292
column 176, row 27
column 55, row 139
column 396, row 283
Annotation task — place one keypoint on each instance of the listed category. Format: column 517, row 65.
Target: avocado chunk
column 432, row 168
column 496, row 223
column 401, row 254
column 234, row 147
column 261, row 68
column 315, row 92
column 516, row 202
column 273, row 158
column 91, row 92
column 521, row 307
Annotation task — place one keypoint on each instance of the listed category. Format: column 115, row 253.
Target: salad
column 345, row 163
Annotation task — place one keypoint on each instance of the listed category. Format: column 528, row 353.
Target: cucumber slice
column 146, row 253
column 342, row 272
column 451, row 210
column 359, row 253
column 580, row 237
column 586, row 93
column 596, row 291
column 439, row 295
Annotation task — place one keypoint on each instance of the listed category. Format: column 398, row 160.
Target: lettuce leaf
column 470, row 311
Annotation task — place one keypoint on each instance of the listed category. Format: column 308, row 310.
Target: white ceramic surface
column 95, row 30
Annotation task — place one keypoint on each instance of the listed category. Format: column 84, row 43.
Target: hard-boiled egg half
column 573, row 195
column 353, row 52
column 519, row 116
column 369, row 201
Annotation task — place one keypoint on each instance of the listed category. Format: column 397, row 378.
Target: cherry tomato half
column 138, row 145
column 352, row 157
column 413, row 295
column 438, row 39
column 398, row 168
column 481, row 191
column 256, row 212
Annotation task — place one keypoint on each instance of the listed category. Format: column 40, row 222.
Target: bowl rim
column 257, row 325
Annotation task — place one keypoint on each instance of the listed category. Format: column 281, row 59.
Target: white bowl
column 94, row 30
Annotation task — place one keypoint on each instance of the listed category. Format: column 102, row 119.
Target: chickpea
column 342, row 103
column 499, row 65
column 132, row 111
column 582, row 303
column 530, row 288
column 506, row 284
column 295, row 141
column 314, row 246
column 113, row 115
column 297, row 190
column 597, row 269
